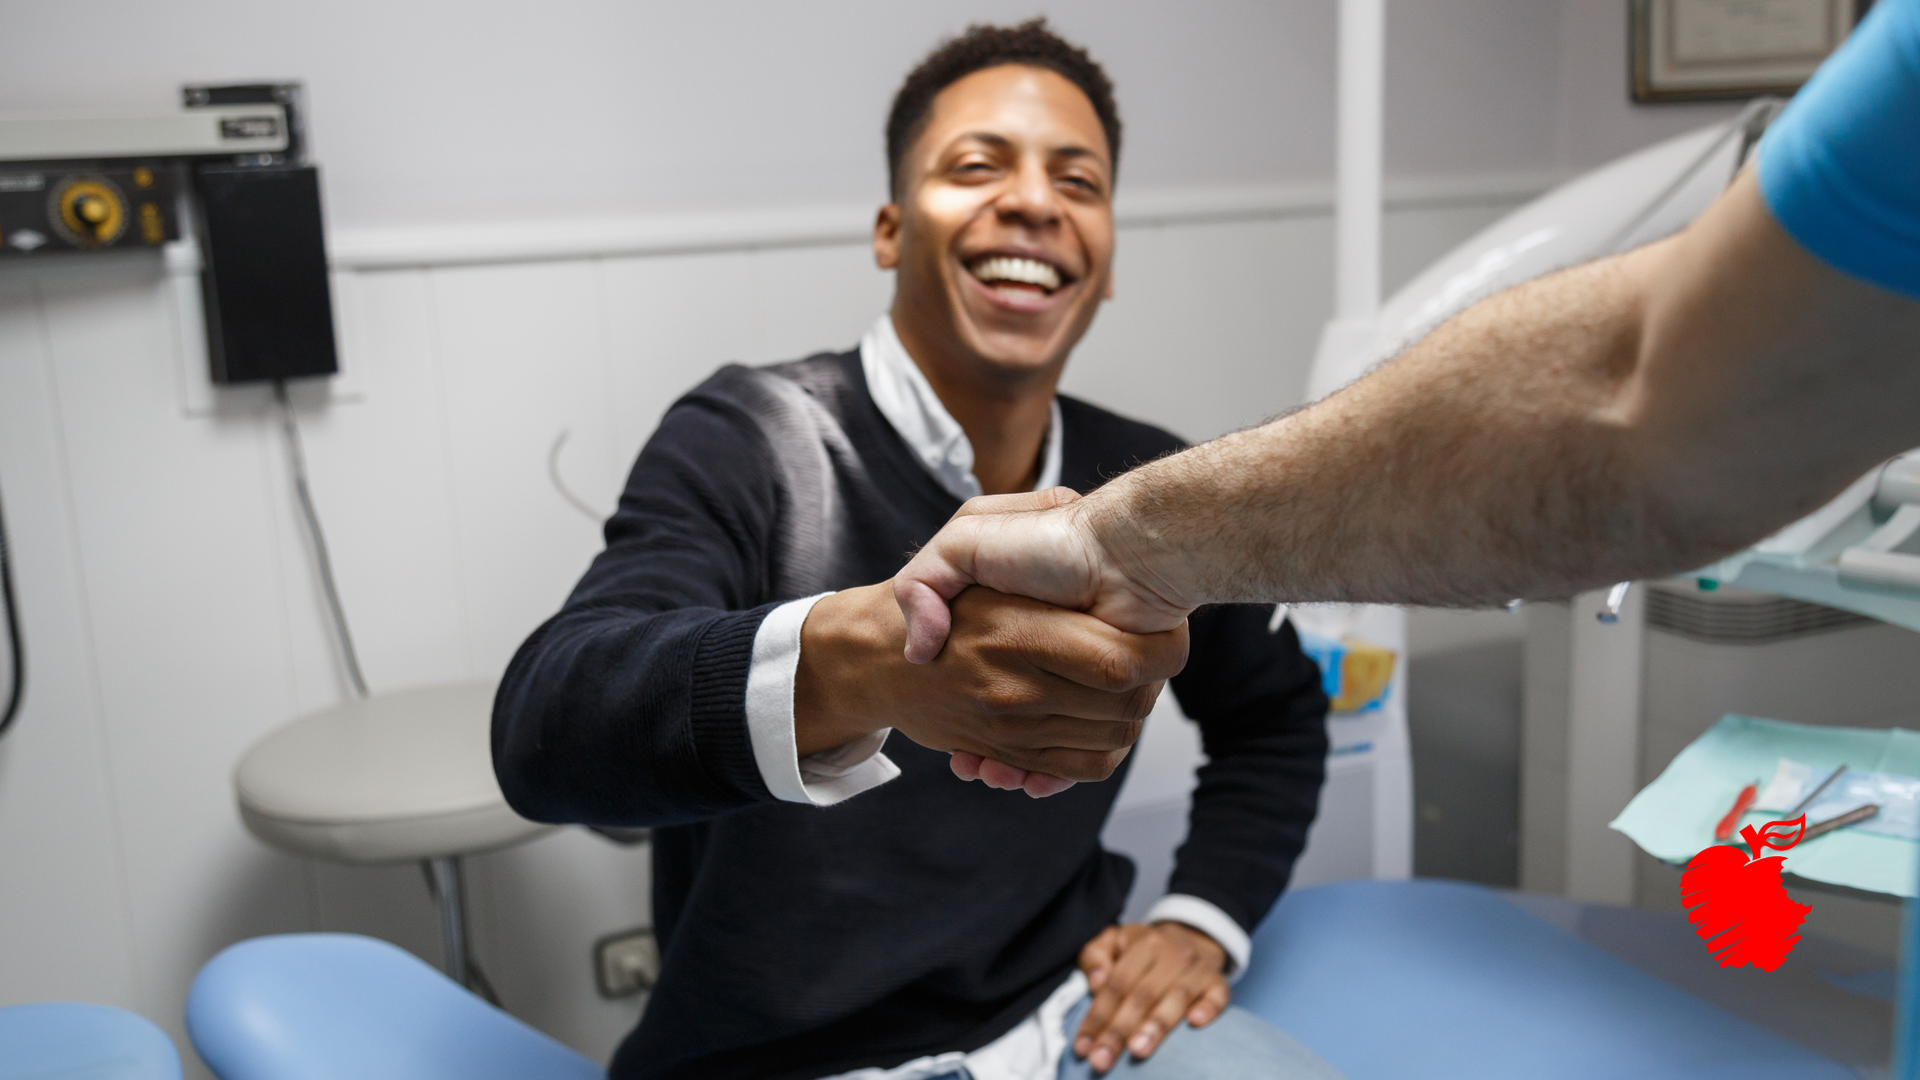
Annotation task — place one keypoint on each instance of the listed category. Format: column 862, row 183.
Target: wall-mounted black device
column 232, row 163
column 264, row 282
column 263, row 252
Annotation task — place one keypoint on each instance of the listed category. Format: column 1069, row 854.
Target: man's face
column 1002, row 237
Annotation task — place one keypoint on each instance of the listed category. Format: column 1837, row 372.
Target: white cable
column 297, row 458
column 560, row 482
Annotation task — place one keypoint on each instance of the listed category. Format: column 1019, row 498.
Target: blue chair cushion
column 66, row 1041
column 326, row 1006
column 1388, row 980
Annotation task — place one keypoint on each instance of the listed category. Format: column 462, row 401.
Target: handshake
column 1039, row 675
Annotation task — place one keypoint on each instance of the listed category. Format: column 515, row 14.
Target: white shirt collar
column 906, row 399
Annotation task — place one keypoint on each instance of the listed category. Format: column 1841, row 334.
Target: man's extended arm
column 1628, row 418
column 1631, row 417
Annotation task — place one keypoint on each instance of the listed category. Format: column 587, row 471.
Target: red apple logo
column 1737, row 904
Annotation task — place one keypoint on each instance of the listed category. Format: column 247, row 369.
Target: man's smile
column 1019, row 279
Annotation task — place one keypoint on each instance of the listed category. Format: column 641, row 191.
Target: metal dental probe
column 1815, row 793
column 1858, row 813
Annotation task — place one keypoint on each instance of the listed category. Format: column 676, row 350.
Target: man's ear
column 886, row 237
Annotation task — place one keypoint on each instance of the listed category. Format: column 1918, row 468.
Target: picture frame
column 1705, row 50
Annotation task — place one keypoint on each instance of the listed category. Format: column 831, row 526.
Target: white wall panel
column 670, row 322
column 1228, row 311
column 381, row 467
column 814, row 299
column 182, row 588
column 65, row 930
column 520, row 354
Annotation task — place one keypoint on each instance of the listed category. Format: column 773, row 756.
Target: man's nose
column 1030, row 197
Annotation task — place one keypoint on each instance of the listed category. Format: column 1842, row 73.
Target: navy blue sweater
column 925, row 915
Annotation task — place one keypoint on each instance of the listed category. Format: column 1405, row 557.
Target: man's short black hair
column 982, row 47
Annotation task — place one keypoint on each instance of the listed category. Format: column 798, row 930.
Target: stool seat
column 395, row 777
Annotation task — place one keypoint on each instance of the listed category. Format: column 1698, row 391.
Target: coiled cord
column 17, row 649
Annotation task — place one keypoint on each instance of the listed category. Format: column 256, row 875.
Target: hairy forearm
column 1633, row 417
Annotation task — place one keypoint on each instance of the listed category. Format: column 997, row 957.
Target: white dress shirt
column 1031, row 1051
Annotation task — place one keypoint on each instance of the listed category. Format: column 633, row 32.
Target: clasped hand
column 1048, row 695
column 1039, row 545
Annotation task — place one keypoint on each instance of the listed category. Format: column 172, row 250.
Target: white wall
column 429, row 111
column 171, row 614
column 1594, row 121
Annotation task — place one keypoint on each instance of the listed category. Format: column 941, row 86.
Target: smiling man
column 830, row 898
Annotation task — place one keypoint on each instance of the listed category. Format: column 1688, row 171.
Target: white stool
column 399, row 777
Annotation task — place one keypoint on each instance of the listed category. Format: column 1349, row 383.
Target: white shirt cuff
column 822, row 779
column 1209, row 920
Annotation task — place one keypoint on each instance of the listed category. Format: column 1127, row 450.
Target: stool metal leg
column 449, row 893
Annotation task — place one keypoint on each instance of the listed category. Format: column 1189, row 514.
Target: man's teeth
column 1024, row 271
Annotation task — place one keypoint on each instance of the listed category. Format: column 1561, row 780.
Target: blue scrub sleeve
column 1840, row 168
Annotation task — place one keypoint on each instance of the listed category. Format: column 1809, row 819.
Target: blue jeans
column 1236, row 1046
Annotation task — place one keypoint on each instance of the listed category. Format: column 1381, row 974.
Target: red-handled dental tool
column 1724, row 830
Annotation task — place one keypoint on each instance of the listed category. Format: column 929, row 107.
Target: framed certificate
column 1689, row 50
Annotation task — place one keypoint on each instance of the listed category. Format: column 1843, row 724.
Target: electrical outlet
column 626, row 963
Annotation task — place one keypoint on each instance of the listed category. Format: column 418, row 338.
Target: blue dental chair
column 1395, row 979
column 1386, row 980
column 326, row 1006
column 71, row 1041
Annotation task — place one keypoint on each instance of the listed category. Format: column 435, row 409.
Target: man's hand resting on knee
column 1145, row 980
column 1019, row 682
